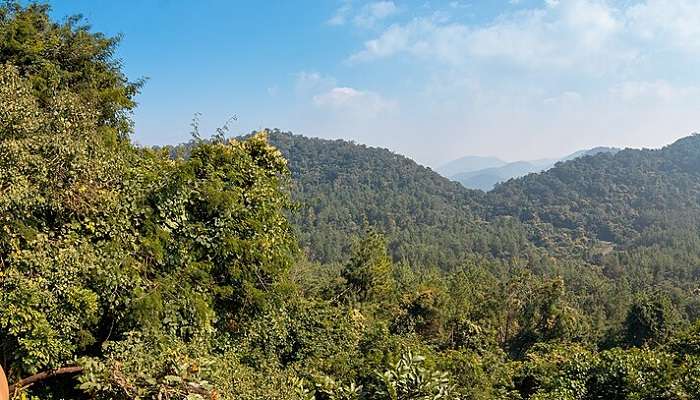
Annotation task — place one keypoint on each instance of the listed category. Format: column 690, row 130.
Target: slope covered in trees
column 343, row 188
column 627, row 218
column 585, row 205
column 127, row 273
column 620, row 198
column 623, row 199
column 557, row 223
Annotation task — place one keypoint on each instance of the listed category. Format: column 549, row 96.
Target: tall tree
column 369, row 272
column 67, row 56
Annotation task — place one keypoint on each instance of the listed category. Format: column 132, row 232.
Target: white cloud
column 580, row 33
column 342, row 111
column 422, row 37
column 321, row 93
column 368, row 15
column 313, row 82
column 561, row 34
column 669, row 23
column 341, row 15
column 346, row 99
column 590, row 35
column 547, row 80
column 374, row 12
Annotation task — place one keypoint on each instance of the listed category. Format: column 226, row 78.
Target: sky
column 433, row 80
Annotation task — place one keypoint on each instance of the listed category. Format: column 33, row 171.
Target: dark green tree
column 650, row 320
column 369, row 274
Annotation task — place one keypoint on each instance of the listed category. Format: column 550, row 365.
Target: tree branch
column 41, row 376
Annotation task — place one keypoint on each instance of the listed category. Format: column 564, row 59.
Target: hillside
column 604, row 209
column 623, row 198
column 343, row 188
column 611, row 224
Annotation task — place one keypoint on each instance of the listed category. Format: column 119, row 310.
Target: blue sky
column 435, row 80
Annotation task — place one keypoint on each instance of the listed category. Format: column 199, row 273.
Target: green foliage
column 408, row 379
column 175, row 273
column 57, row 57
column 650, row 320
column 368, row 274
column 572, row 372
column 538, row 313
column 342, row 188
column 57, row 211
column 328, row 389
column 555, row 371
column 160, row 367
column 685, row 342
column 638, row 373
column 100, row 240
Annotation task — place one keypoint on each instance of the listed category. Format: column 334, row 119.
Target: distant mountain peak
column 486, row 178
column 468, row 164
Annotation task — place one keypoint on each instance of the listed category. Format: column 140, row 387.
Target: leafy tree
column 100, row 239
column 410, row 380
column 538, row 312
column 369, row 274
column 650, row 320
column 55, row 57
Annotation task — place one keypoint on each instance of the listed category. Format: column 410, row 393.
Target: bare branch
column 41, row 376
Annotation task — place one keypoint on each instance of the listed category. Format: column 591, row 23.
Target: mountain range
column 585, row 205
column 484, row 173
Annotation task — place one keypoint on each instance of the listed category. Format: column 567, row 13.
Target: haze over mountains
column 483, row 173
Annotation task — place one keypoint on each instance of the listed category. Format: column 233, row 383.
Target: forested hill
column 343, row 188
column 632, row 197
column 634, row 214
column 585, row 207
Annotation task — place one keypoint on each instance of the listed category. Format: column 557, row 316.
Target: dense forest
column 343, row 188
column 274, row 266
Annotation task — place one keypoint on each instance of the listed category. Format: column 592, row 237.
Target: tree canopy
column 274, row 266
